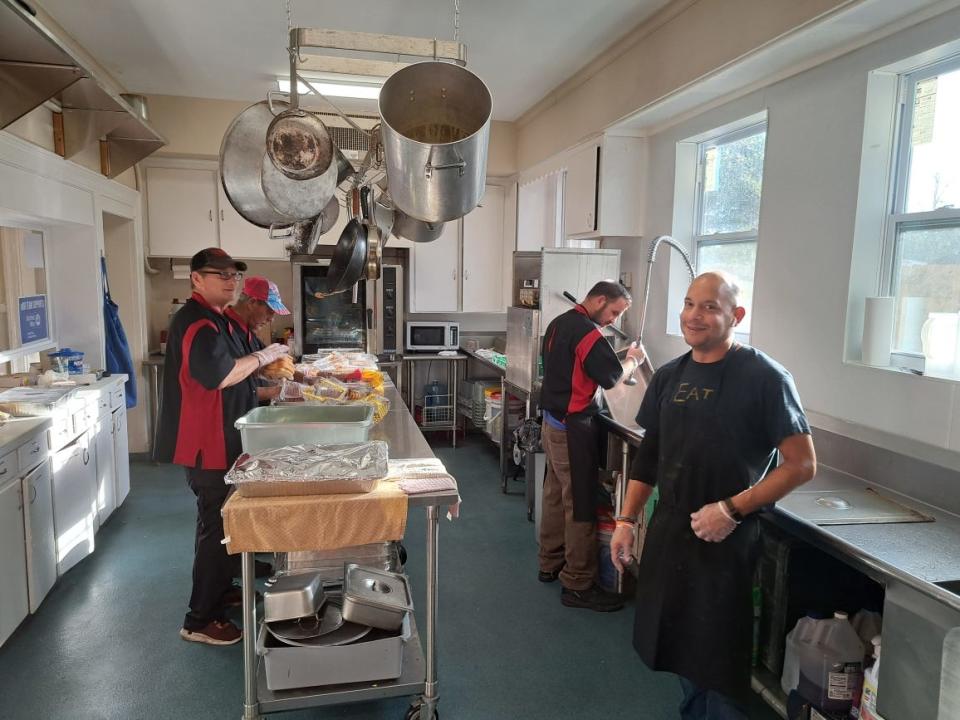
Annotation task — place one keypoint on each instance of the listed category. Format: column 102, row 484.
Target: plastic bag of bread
column 279, row 369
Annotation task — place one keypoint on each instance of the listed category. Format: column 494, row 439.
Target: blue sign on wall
column 33, row 318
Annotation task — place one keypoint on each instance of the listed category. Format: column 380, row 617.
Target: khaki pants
column 564, row 542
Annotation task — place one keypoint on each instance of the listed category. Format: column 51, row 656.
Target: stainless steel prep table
column 453, row 365
column 419, row 667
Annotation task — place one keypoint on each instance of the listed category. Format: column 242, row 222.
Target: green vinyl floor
column 105, row 644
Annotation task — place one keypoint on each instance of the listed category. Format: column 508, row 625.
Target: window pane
column 732, row 174
column 739, row 259
column 934, row 176
column 927, row 287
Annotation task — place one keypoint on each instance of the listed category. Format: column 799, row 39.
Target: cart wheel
column 414, row 713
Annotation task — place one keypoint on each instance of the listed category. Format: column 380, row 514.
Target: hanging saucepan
column 307, row 234
column 301, row 199
column 393, row 221
column 345, row 168
column 435, row 131
column 349, row 258
column 299, row 144
column 374, row 241
column 241, row 158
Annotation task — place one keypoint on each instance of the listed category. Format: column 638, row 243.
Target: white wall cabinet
column 14, row 600
column 181, row 210
column 604, row 188
column 464, row 270
column 483, row 254
column 187, row 210
column 435, row 273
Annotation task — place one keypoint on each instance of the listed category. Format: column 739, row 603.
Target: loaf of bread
column 279, row 369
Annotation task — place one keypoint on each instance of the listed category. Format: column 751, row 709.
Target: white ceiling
column 235, row 49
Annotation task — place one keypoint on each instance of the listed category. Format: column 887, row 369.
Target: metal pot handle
column 274, row 233
column 430, row 167
column 270, row 96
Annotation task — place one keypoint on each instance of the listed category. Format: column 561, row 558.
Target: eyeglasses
column 224, row 275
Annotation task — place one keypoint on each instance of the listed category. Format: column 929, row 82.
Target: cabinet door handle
column 210, row 215
column 221, row 215
column 33, row 493
column 466, row 274
column 4, row 471
column 19, row 498
column 86, row 456
column 453, row 275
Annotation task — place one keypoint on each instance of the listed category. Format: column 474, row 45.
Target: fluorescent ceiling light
column 332, row 89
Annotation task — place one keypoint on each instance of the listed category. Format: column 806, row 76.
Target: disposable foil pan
column 374, row 597
column 292, row 597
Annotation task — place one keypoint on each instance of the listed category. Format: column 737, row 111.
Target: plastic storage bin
column 271, row 427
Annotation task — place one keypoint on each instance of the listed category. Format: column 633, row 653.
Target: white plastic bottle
column 868, row 625
column 868, row 700
column 801, row 633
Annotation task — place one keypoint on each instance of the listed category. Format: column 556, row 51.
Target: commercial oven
column 369, row 317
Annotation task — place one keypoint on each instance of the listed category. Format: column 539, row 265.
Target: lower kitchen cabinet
column 39, row 534
column 14, row 600
column 75, row 503
column 102, row 442
column 121, row 455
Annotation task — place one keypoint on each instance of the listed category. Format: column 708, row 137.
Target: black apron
column 694, row 598
column 584, row 440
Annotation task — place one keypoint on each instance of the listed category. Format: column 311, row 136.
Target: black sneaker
column 548, row 576
column 593, row 598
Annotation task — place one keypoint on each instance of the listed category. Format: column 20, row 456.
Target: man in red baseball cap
column 259, row 301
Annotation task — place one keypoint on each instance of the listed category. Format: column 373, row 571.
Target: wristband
column 726, row 506
column 624, row 523
column 632, row 519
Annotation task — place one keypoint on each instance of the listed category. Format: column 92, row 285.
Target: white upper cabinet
column 243, row 239
column 483, row 254
column 187, row 210
column 580, row 192
column 181, row 209
column 604, row 188
column 435, row 272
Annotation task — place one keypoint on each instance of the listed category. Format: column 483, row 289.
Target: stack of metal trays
column 329, row 564
column 311, row 638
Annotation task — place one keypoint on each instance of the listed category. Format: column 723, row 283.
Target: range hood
column 40, row 62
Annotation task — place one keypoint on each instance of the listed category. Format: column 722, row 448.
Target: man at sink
column 714, row 420
column 577, row 361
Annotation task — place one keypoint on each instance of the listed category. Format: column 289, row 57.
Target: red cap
column 259, row 288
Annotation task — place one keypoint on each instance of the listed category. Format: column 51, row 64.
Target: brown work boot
column 215, row 633
column 593, row 598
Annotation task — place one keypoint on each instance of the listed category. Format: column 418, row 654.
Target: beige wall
column 683, row 42
column 195, row 127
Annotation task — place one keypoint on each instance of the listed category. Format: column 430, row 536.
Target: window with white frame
column 727, row 207
column 921, row 261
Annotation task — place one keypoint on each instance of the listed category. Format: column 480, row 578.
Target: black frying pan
column 349, row 258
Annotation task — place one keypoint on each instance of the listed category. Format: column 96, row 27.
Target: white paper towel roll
column 877, row 331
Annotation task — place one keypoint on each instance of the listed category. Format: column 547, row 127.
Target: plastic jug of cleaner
column 802, row 633
column 868, row 624
column 831, row 665
column 868, row 700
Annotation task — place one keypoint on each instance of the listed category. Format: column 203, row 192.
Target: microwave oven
column 432, row 336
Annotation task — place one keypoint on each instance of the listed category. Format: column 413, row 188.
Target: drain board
column 848, row 507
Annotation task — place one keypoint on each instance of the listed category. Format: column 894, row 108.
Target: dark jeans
column 700, row 704
column 212, row 568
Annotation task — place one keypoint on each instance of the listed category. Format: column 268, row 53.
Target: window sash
column 908, row 91
column 702, row 147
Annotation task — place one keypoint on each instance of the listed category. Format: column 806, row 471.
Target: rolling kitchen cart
column 419, row 675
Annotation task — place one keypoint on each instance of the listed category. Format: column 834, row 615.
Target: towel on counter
column 423, row 475
column 314, row 522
